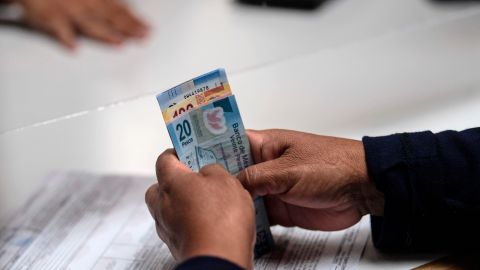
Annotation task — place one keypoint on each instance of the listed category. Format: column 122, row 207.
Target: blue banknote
column 214, row 133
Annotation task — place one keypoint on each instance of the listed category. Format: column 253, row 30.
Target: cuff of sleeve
column 207, row 262
column 401, row 166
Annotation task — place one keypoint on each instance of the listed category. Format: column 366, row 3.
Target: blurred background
column 339, row 67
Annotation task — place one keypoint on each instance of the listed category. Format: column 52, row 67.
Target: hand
column 205, row 213
column 311, row 181
column 105, row 20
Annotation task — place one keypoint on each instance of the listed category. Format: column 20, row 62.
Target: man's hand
column 105, row 20
column 205, row 213
column 311, row 181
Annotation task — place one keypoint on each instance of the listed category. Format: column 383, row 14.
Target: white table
column 349, row 68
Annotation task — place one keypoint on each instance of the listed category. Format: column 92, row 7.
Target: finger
column 124, row 21
column 270, row 177
column 98, row 29
column 65, row 33
column 256, row 139
column 161, row 232
column 60, row 28
column 277, row 212
column 169, row 166
column 152, row 199
column 267, row 144
column 214, row 170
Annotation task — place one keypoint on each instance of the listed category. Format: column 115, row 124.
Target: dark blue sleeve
column 431, row 184
column 207, row 262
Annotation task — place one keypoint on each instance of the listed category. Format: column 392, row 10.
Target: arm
column 421, row 189
column 431, row 184
column 207, row 262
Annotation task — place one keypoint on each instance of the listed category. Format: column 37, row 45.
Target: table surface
column 349, row 68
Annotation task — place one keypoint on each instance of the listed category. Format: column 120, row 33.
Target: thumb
column 169, row 167
column 267, row 144
column 267, row 178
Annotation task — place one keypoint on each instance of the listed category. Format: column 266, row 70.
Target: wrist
column 230, row 248
column 372, row 200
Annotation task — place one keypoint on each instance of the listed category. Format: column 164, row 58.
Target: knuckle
column 246, row 196
column 159, row 163
column 211, row 168
column 249, row 176
column 162, row 160
column 214, row 166
column 273, row 185
column 151, row 195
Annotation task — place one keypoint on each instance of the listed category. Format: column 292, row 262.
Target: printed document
column 86, row 221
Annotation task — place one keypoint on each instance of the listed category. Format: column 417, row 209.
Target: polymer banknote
column 214, row 133
column 193, row 94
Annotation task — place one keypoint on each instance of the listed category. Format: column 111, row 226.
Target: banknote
column 214, row 133
column 193, row 94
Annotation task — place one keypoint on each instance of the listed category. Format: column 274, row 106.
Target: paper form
column 85, row 221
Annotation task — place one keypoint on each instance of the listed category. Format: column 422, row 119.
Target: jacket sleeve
column 431, row 184
column 207, row 262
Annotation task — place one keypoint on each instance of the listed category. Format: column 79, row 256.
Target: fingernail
column 118, row 44
column 71, row 47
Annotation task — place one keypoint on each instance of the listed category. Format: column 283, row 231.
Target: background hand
column 205, row 213
column 311, row 181
column 104, row 20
